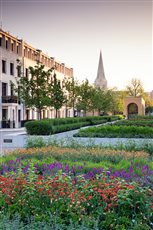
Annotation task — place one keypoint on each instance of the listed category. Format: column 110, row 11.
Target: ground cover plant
column 116, row 131
column 52, row 126
column 144, row 122
column 76, row 188
column 141, row 118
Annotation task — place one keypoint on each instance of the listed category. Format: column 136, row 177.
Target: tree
column 33, row 91
column 105, row 101
column 148, row 100
column 135, row 88
column 56, row 95
column 71, row 93
column 119, row 97
column 149, row 110
column 84, row 95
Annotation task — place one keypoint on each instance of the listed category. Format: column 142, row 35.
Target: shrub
column 39, row 127
column 35, row 142
column 50, row 126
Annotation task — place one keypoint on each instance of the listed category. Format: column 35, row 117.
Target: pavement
column 11, row 139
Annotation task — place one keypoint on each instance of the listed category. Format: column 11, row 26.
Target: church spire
column 101, row 81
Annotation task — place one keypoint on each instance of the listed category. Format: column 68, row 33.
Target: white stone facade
column 11, row 50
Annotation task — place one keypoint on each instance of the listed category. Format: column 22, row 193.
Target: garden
column 58, row 125
column 76, row 187
column 136, row 127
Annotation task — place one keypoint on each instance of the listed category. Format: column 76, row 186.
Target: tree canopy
column 135, row 88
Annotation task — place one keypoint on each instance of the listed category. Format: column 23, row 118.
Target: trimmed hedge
column 141, row 118
column 144, row 122
column 52, row 126
column 39, row 127
column 116, row 131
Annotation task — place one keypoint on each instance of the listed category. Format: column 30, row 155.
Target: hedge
column 138, row 122
column 116, row 131
column 52, row 126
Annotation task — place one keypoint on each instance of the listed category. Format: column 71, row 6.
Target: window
column 27, row 114
column 18, row 71
column 3, row 66
column 12, row 90
column 12, row 46
column 0, row 41
column 6, row 44
column 11, row 69
column 4, row 89
column 17, row 49
column 19, row 115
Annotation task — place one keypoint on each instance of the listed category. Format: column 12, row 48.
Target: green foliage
column 135, row 88
column 42, row 127
column 32, row 201
column 149, row 109
column 33, row 91
column 139, row 122
column 92, row 99
column 85, row 94
column 7, row 223
column 71, row 93
column 116, row 131
column 50, row 126
column 35, row 142
column 56, row 94
column 141, row 118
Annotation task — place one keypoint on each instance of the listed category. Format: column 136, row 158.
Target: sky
column 74, row 32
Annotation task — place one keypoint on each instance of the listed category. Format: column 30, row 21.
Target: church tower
column 101, row 81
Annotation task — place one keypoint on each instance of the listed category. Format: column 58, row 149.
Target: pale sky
column 74, row 32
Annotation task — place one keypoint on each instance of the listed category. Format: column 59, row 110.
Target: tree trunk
column 73, row 109
column 66, row 111
column 56, row 113
column 39, row 114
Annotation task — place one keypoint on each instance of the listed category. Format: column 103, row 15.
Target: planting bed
column 65, row 188
column 52, row 126
column 134, row 128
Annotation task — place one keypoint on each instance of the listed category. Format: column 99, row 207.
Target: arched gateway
column 134, row 106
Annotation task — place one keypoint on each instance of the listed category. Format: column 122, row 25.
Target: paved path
column 16, row 138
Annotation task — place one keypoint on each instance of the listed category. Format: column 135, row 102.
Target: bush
column 50, row 126
column 35, row 142
column 39, row 127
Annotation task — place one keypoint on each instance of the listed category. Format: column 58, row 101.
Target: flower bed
column 64, row 188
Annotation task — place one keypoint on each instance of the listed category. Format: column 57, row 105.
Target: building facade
column 12, row 50
column 134, row 106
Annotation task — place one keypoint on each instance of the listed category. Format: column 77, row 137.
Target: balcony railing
column 8, row 124
column 9, row 99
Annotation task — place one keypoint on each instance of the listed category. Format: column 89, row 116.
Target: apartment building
column 12, row 112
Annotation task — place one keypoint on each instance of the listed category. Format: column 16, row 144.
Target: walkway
column 17, row 138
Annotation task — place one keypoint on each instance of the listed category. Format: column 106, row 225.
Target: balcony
column 9, row 99
column 8, row 124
